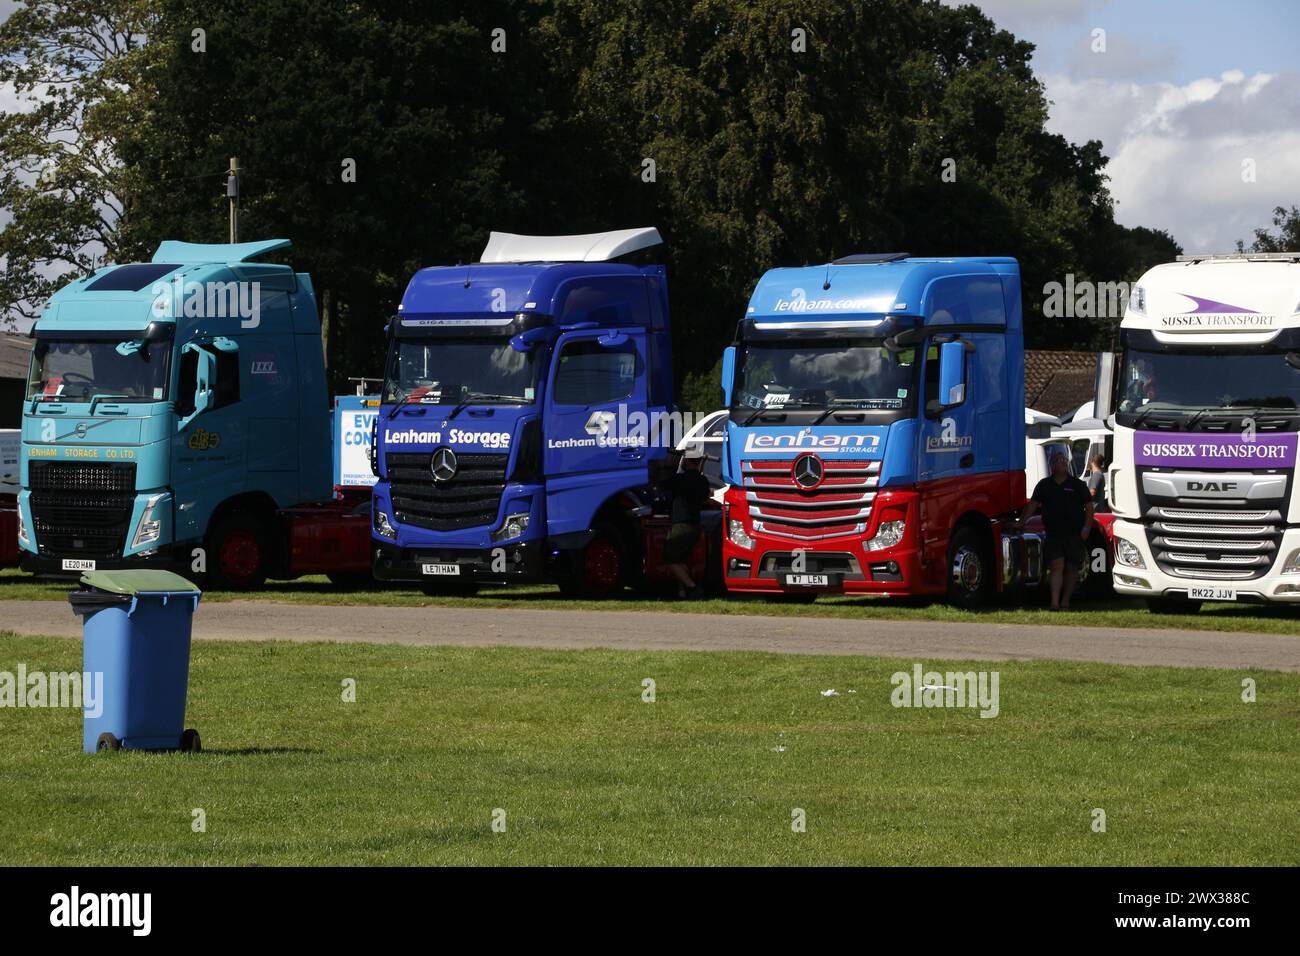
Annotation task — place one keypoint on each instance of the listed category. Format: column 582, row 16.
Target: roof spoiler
column 590, row 247
column 196, row 253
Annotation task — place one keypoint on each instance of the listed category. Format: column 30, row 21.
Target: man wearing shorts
column 1067, row 508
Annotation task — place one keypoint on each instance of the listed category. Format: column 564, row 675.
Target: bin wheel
column 190, row 742
column 107, row 742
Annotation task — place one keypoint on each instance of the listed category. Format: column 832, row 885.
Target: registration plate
column 808, row 580
column 440, row 568
column 78, row 564
column 1212, row 594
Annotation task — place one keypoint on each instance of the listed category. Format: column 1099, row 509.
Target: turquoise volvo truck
column 177, row 416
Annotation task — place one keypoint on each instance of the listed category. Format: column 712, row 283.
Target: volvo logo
column 80, row 429
column 443, row 464
column 808, row 471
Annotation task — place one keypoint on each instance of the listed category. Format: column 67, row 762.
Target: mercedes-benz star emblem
column 808, row 471
column 443, row 464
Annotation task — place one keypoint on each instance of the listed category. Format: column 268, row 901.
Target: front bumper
column 51, row 565
column 517, row 562
column 1152, row 582
column 767, row 568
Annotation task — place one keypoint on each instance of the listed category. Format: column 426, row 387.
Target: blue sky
column 1187, row 98
column 1172, row 40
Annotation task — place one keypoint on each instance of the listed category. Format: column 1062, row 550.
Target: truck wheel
column 970, row 570
column 239, row 554
column 1163, row 605
column 107, row 742
column 601, row 568
column 190, row 742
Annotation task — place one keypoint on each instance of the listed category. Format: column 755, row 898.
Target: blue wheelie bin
column 136, row 633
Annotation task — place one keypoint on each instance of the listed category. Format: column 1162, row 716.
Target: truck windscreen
column 448, row 371
column 828, row 373
column 77, row 371
column 1185, row 381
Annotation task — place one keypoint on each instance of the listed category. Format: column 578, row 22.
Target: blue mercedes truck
column 177, row 416
column 526, row 405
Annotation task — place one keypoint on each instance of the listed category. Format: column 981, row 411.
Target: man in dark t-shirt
column 690, row 490
column 1067, row 508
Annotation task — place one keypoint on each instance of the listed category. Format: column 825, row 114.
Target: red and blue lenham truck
column 876, row 439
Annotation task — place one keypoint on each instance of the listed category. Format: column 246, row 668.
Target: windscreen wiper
column 837, row 405
column 482, row 397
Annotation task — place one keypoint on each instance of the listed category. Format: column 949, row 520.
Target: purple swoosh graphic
column 1209, row 305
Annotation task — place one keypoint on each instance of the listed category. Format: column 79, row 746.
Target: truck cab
column 521, row 413
column 172, row 407
column 1206, row 410
column 876, row 437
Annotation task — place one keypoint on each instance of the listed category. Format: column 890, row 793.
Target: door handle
column 630, row 454
column 967, row 460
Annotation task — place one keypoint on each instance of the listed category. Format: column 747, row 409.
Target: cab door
column 595, row 401
column 947, row 446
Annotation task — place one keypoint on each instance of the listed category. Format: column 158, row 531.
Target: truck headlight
column 1138, row 300
column 150, row 524
column 1127, row 554
column 1290, row 566
column 383, row 527
column 887, row 535
column 22, row 529
column 513, row 527
column 736, row 532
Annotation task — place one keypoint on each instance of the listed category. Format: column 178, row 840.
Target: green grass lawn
column 1111, row 612
column 588, row 773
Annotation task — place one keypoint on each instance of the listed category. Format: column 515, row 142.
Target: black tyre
column 190, row 742
column 601, row 569
column 970, row 569
column 239, row 553
column 107, row 742
column 1163, row 605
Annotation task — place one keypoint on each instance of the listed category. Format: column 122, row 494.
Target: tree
column 1287, row 238
column 76, row 71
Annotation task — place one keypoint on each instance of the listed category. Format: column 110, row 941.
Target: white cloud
column 1176, row 152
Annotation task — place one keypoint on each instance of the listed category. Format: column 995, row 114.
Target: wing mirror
column 728, row 374
column 205, row 380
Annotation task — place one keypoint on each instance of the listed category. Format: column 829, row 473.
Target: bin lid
column 138, row 581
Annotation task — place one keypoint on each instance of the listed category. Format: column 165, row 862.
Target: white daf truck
column 1204, row 398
